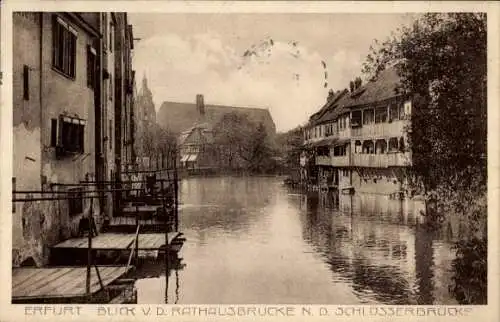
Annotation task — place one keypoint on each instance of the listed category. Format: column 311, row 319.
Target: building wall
column 26, row 119
column 63, row 96
column 108, row 109
column 39, row 224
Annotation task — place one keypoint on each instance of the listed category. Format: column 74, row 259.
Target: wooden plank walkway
column 142, row 208
column 60, row 282
column 130, row 221
column 115, row 241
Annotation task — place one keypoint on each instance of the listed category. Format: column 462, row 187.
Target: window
column 26, row 82
column 381, row 114
column 393, row 144
column 75, row 201
column 357, row 147
column 368, row 116
column 53, row 132
column 368, row 147
column 393, row 112
column 72, row 135
column 401, row 144
column 323, row 151
column 64, row 47
column 356, row 119
column 407, row 107
column 340, row 150
column 401, row 111
column 91, row 67
column 380, row 146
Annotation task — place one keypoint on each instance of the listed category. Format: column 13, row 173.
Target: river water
column 253, row 240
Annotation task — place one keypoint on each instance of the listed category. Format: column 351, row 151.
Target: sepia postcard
column 278, row 160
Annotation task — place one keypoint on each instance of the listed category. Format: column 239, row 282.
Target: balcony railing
column 323, row 160
column 393, row 129
column 344, row 133
column 340, row 161
column 398, row 159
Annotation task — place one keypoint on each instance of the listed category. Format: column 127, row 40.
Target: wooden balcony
column 340, row 161
column 323, row 160
column 344, row 134
column 393, row 129
column 398, row 159
column 370, row 160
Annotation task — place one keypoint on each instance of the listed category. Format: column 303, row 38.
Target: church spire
column 144, row 81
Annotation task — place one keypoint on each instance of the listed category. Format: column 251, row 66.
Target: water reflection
column 251, row 240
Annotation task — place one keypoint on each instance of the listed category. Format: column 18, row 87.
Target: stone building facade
column 60, row 108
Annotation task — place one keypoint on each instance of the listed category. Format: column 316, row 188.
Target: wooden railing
column 323, row 160
column 135, row 249
column 340, row 161
column 393, row 129
column 397, row 159
column 370, row 160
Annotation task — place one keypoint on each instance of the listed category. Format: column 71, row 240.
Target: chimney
column 331, row 94
column 200, row 104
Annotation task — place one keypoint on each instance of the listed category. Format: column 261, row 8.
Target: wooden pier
column 128, row 225
column 84, row 269
column 113, row 241
column 62, row 284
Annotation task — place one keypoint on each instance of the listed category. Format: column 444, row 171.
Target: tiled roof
column 318, row 116
column 380, row 89
column 179, row 117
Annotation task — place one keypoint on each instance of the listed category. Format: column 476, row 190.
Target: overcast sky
column 187, row 54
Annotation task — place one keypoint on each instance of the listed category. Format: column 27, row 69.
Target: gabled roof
column 376, row 90
column 179, row 117
column 318, row 116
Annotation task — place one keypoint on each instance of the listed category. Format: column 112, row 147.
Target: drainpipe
column 40, row 87
column 97, row 115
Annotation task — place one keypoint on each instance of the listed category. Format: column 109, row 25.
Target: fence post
column 89, row 254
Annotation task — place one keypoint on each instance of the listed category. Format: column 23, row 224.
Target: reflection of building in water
column 382, row 206
column 386, row 256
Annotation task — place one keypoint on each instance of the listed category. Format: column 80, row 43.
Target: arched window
column 380, row 146
column 368, row 147
column 358, row 147
column 393, row 144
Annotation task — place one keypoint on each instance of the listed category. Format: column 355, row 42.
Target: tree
column 442, row 61
column 357, row 82
column 290, row 147
column 242, row 143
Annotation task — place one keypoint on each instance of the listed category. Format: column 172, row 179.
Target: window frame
column 91, row 67
column 64, row 45
column 72, row 135
column 26, row 82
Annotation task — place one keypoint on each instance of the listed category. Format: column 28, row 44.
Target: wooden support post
column 137, row 235
column 99, row 277
column 176, row 195
column 89, row 254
